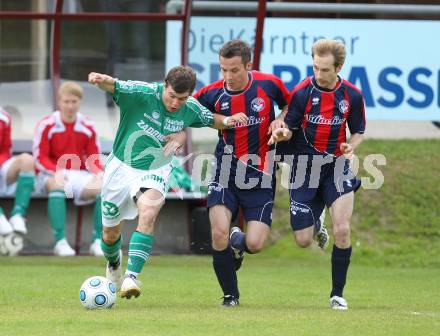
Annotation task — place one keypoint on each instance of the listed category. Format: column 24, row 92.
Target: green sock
column 138, row 252
column 56, row 207
column 25, row 186
column 1, row 211
column 97, row 219
column 111, row 252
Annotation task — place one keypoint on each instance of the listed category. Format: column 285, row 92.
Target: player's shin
column 224, row 268
column 57, row 213
column 139, row 252
column 340, row 263
column 111, row 251
column 97, row 219
column 25, row 186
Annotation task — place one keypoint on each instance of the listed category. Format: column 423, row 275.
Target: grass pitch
column 284, row 290
column 279, row 296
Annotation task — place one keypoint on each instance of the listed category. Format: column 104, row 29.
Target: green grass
column 392, row 285
column 280, row 296
column 398, row 224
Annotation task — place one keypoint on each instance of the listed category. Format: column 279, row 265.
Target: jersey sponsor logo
column 343, row 106
column 295, row 208
column 155, row 134
column 173, row 125
column 110, row 210
column 258, row 104
column 153, row 118
column 321, row 120
column 214, row 187
column 225, row 106
column 155, row 114
column 153, row 177
column 252, row 120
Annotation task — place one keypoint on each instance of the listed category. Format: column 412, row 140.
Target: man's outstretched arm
column 222, row 122
column 103, row 81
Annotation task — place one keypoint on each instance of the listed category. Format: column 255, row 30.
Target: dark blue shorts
column 256, row 204
column 312, row 189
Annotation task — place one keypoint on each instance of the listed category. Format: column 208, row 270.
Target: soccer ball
column 11, row 244
column 97, row 292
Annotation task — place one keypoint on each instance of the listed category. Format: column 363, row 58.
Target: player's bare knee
column 301, row 242
column 26, row 162
column 51, row 184
column 219, row 243
column 95, row 192
column 92, row 189
column 255, row 246
column 342, row 234
column 302, row 239
column 220, row 235
column 110, row 235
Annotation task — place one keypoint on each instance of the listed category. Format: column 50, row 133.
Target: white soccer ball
column 11, row 244
column 97, row 292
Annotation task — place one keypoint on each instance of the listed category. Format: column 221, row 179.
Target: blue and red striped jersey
column 257, row 102
column 321, row 116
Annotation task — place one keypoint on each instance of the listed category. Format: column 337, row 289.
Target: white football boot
column 114, row 274
column 338, row 303
column 18, row 223
column 95, row 248
column 130, row 287
column 63, row 249
column 5, row 226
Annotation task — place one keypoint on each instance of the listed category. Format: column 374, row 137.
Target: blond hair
column 325, row 46
column 71, row 88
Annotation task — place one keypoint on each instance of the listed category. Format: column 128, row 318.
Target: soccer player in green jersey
column 137, row 170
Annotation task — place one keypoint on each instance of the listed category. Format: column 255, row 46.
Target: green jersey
column 144, row 123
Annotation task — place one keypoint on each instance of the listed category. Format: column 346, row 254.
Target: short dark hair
column 182, row 79
column 236, row 48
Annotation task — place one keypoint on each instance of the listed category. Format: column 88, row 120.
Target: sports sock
column 1, row 211
column 97, row 219
column 340, row 263
column 224, row 268
column 111, row 252
column 139, row 251
column 56, row 207
column 25, row 186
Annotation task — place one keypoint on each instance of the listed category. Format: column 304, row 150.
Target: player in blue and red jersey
column 320, row 109
column 244, row 174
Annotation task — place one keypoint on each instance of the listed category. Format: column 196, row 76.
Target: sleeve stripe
column 204, row 114
column 131, row 87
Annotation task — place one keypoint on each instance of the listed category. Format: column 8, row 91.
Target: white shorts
column 74, row 183
column 121, row 184
column 6, row 189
